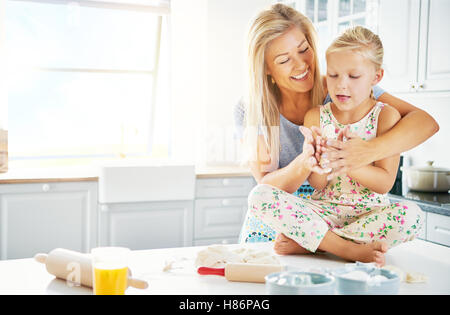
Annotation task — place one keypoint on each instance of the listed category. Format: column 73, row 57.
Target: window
column 332, row 17
column 87, row 79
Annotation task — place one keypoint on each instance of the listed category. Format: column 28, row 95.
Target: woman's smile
column 302, row 76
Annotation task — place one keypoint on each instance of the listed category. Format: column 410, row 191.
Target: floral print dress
column 344, row 206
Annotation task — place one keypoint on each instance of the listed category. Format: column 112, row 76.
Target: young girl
column 349, row 215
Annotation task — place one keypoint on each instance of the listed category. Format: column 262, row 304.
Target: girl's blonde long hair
column 363, row 41
column 262, row 113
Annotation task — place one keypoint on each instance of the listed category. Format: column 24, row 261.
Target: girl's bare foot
column 372, row 252
column 286, row 246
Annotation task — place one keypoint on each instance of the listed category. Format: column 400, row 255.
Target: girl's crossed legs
column 303, row 227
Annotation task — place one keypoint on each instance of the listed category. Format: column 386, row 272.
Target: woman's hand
column 320, row 142
column 310, row 154
column 347, row 152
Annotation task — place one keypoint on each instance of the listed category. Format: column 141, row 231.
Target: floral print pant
column 307, row 221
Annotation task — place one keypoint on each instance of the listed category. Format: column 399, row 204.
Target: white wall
column 208, row 54
column 189, row 51
column 437, row 148
column 3, row 81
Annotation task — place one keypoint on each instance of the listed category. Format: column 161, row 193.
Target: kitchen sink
column 131, row 182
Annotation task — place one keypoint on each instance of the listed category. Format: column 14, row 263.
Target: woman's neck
column 294, row 106
column 354, row 115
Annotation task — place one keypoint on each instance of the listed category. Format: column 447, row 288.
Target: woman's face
column 290, row 61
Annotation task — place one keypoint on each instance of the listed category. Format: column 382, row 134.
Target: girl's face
column 290, row 61
column 350, row 78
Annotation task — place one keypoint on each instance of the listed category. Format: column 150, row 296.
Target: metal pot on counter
column 427, row 178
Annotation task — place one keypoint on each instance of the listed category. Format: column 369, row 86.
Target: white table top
column 26, row 276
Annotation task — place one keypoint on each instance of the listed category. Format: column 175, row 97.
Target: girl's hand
column 310, row 161
column 345, row 155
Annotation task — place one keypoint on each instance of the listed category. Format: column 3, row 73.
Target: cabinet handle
column 422, row 86
column 45, row 187
column 226, row 182
column 442, row 230
column 104, row 208
column 226, row 202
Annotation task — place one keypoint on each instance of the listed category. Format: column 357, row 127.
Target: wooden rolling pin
column 64, row 264
column 242, row 272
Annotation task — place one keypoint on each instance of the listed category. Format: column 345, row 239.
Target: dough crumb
column 409, row 276
column 217, row 256
column 416, row 277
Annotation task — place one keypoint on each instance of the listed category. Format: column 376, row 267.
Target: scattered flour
column 364, row 276
column 409, row 277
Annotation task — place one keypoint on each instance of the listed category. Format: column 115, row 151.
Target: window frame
column 162, row 10
column 333, row 20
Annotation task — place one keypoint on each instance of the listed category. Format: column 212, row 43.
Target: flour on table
column 174, row 263
column 217, row 256
column 400, row 273
column 364, row 276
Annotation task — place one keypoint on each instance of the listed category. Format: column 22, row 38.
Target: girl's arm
column 415, row 127
column 290, row 177
column 380, row 176
column 312, row 118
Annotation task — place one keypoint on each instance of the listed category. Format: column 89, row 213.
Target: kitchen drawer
column 438, row 228
column 224, row 187
column 216, row 218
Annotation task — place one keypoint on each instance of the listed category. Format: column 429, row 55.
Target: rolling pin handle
column 211, row 271
column 42, row 258
column 136, row 283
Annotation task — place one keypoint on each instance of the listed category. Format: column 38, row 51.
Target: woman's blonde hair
column 362, row 40
column 264, row 97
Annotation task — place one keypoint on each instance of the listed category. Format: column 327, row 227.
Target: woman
column 284, row 83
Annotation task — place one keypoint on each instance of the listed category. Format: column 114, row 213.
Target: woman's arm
column 312, row 118
column 380, row 176
column 405, row 135
column 290, row 177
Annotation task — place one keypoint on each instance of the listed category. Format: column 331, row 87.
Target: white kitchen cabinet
column 434, row 63
column 221, row 187
column 438, row 228
column 416, row 40
column 219, row 217
column 398, row 29
column 39, row 217
column 220, row 208
column 146, row 225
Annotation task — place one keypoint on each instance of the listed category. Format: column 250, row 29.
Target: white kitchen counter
column 25, row 276
column 91, row 173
